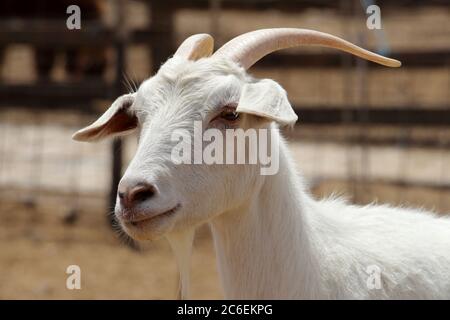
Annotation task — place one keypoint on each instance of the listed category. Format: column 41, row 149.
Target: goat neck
column 266, row 239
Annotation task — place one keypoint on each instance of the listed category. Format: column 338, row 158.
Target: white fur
column 284, row 244
column 273, row 240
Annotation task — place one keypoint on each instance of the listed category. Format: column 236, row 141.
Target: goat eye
column 229, row 115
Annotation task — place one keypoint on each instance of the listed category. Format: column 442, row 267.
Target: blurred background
column 365, row 131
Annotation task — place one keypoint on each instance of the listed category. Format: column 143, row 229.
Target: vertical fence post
column 116, row 148
column 162, row 13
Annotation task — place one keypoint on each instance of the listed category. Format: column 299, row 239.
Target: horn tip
column 76, row 136
column 396, row 63
column 80, row 136
column 393, row 63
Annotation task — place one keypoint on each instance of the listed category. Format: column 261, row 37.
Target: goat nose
column 136, row 194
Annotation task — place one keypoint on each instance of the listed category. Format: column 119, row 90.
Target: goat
column 272, row 238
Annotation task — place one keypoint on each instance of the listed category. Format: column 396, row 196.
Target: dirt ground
column 36, row 247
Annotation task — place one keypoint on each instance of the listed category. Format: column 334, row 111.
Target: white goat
column 272, row 239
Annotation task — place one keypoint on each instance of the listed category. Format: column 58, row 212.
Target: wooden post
column 116, row 148
column 162, row 23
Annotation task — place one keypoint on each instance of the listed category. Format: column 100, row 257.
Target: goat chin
column 181, row 243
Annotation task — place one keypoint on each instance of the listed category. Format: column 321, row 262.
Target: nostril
column 141, row 193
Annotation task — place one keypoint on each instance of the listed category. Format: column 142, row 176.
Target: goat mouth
column 142, row 222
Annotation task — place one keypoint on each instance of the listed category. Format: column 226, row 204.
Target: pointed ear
column 267, row 99
column 117, row 120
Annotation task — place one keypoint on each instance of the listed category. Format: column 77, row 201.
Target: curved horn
column 248, row 48
column 196, row 46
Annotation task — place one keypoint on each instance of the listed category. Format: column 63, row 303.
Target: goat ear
column 118, row 119
column 267, row 99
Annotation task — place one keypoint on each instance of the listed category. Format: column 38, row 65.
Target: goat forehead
column 162, row 98
column 186, row 87
column 176, row 67
column 179, row 73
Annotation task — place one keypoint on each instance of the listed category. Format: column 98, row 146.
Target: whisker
column 128, row 83
column 136, row 87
